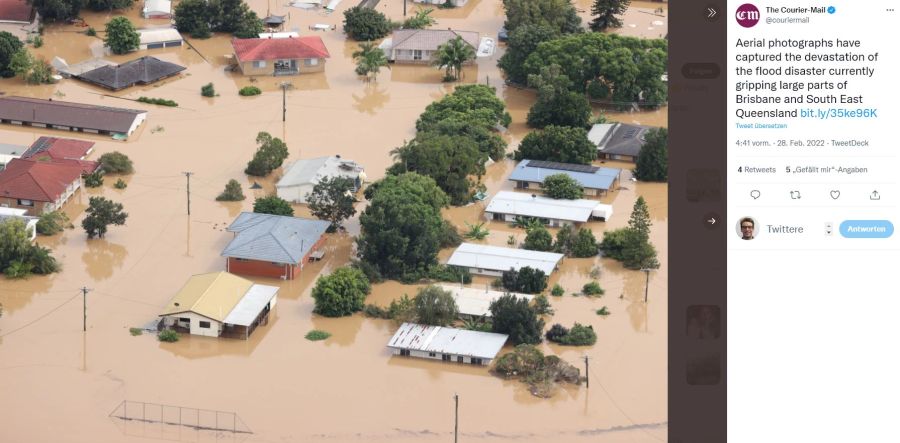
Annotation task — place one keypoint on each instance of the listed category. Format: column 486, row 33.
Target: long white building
column 508, row 205
column 493, row 260
column 447, row 344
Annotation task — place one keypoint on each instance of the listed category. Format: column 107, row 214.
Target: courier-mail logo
column 747, row 15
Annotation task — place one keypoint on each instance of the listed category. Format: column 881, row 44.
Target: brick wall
column 269, row 269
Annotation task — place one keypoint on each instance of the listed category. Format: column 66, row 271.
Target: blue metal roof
column 602, row 178
column 273, row 238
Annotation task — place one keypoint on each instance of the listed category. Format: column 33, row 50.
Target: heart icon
column 835, row 194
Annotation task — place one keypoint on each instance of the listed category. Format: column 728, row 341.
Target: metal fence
column 192, row 418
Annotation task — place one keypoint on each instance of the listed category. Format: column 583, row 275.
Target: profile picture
column 747, row 228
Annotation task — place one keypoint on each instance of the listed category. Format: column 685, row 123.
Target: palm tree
column 369, row 60
column 452, row 55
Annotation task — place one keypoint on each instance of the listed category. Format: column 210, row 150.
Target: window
column 259, row 64
column 25, row 202
column 445, row 357
column 459, row 359
column 204, row 324
column 404, row 352
column 311, row 62
column 417, row 54
column 432, row 354
column 476, row 361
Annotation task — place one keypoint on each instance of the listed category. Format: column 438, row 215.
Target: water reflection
column 374, row 98
column 102, row 257
column 198, row 347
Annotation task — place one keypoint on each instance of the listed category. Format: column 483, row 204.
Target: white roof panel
column 518, row 203
column 443, row 340
column 249, row 307
column 470, row 255
column 159, row 35
column 477, row 301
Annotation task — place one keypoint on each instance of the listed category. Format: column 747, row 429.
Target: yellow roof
column 211, row 295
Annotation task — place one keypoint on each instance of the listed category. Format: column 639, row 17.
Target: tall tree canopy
column 452, row 56
column 449, row 160
column 332, row 199
column 513, row 316
column 605, row 12
column 365, row 24
column 653, row 160
column 121, row 36
column 559, row 15
column 558, row 144
column 522, row 42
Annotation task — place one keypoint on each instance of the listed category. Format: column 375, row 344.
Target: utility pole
column 456, row 420
column 404, row 8
column 188, row 175
column 84, row 291
column 587, row 375
column 284, row 87
column 647, row 284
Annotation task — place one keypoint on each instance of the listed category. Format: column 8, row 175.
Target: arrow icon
column 711, row 221
column 710, row 12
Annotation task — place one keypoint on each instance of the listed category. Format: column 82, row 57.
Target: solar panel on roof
column 563, row 166
column 630, row 133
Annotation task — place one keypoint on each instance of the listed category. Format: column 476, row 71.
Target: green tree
column 558, row 144
column 53, row 222
column 526, row 280
column 41, row 72
column 435, row 306
column 451, row 56
column 108, row 5
column 14, row 242
column 116, row 162
column 233, row 16
column 562, row 186
column 249, row 25
column 559, row 15
column 579, row 335
column 402, row 226
column 341, row 293
column 121, row 36
column 639, row 254
column 538, row 238
column 449, row 160
column 541, row 305
column 475, row 104
column 270, row 155
column 488, row 141
column 274, row 205
column 365, row 24
column 556, row 104
column 584, row 244
column 556, row 333
column 332, row 199
column 632, row 245
column 514, row 317
column 605, row 12
column 9, row 46
column 639, row 220
column 369, row 60
column 421, row 20
column 100, row 214
column 208, row 90
column 653, row 160
column 522, row 42
column 20, row 63
column 192, row 17
column 53, row 10
column 232, row 192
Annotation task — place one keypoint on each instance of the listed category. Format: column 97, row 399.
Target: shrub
column 274, row 205
column 476, row 231
column 116, row 163
column 538, row 238
column 157, row 101
column 369, row 269
column 94, row 179
column 91, row 32
column 51, row 223
column 316, row 335
column 556, row 333
column 449, row 273
column 341, row 293
column 247, row 91
column 449, row 235
column 168, row 335
column 120, row 184
column 513, row 316
column 136, row 331
column 232, row 192
column 375, row 311
column 603, row 311
column 365, row 24
column 435, row 306
column 541, row 305
column 526, row 280
column 270, row 154
column 38, row 41
column 17, row 269
column 579, row 335
column 557, row 291
column 208, row 90
column 592, row 288
column 562, row 186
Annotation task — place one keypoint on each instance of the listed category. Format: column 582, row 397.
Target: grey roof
column 273, row 238
column 249, row 307
column 619, row 139
column 496, row 258
column 477, row 301
column 7, row 149
column 597, row 178
column 526, row 205
column 430, row 39
column 77, row 115
column 443, row 340
column 314, row 169
column 142, row 71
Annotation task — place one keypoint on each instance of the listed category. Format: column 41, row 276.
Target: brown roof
column 430, row 39
column 76, row 115
column 249, row 49
column 15, row 11
column 37, row 181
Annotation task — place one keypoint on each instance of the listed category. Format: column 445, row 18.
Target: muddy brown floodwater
column 59, row 384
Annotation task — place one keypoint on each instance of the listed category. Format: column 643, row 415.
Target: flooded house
column 446, row 344
column 63, row 150
column 37, row 186
column 19, row 18
column 141, row 71
column 494, row 260
column 69, row 116
column 419, row 45
column 9, row 152
column 157, row 9
column 280, row 56
column 594, row 180
column 476, row 302
column 508, row 205
column 219, row 304
column 274, row 246
column 454, row 3
column 618, row 141
column 20, row 214
column 303, row 175
column 155, row 38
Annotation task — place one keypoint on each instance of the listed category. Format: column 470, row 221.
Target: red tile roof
column 251, row 49
column 37, row 181
column 15, row 11
column 59, row 148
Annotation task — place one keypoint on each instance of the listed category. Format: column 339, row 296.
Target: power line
column 41, row 317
